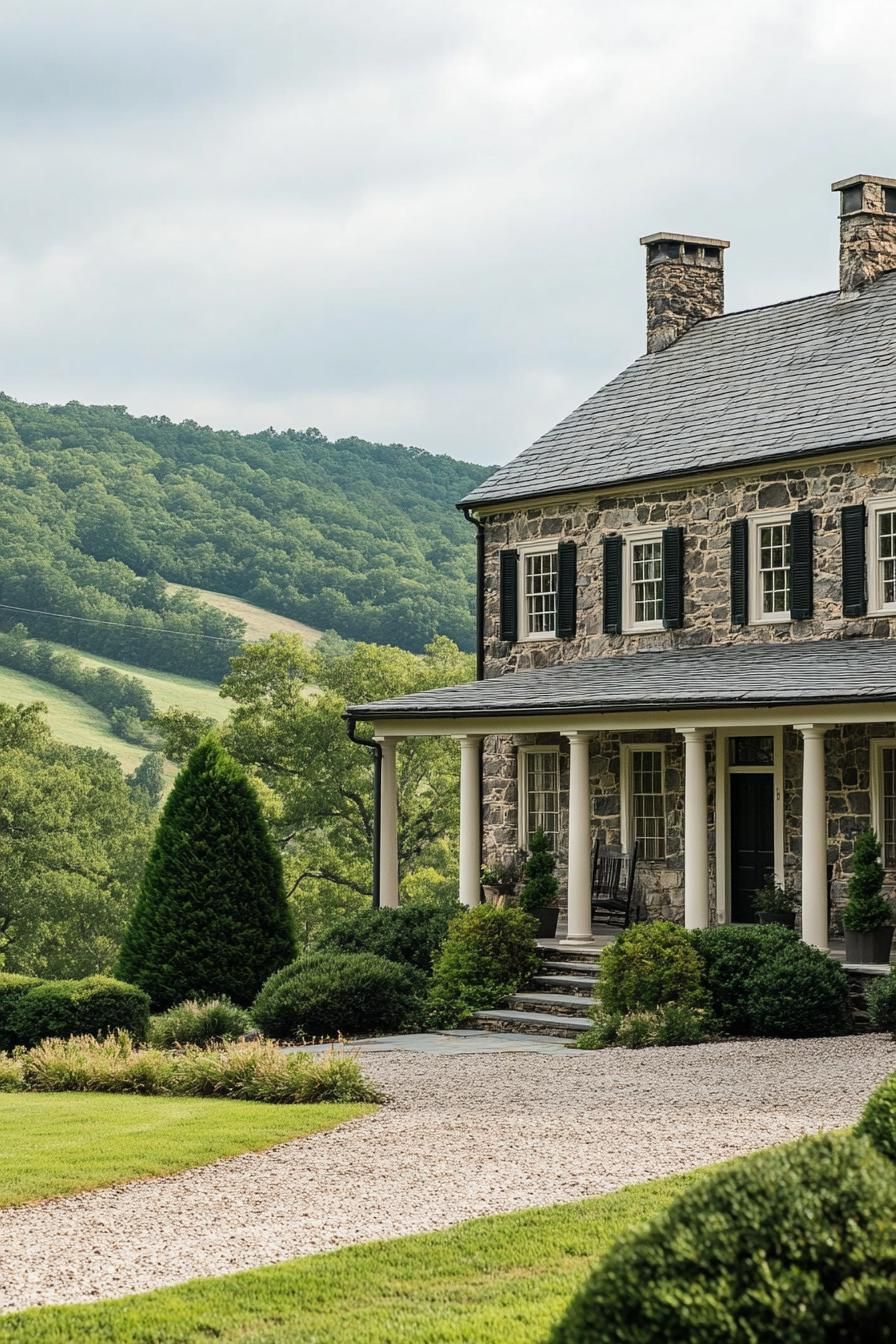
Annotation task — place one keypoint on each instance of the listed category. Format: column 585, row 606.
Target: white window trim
column 525, row 550
column 878, row 746
column 874, row 508
column 754, row 585
column 627, row 804
column 522, row 790
column 629, row 625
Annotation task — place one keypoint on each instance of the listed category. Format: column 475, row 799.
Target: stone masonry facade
column 705, row 509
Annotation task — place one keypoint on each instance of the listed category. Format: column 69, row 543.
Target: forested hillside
column 101, row 509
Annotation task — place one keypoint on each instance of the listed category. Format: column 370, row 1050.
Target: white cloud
column 413, row 220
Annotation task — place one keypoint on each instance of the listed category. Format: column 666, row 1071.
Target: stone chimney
column 685, row 284
column 867, row 229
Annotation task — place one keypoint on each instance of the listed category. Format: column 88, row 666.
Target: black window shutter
column 509, row 560
column 801, row 565
column 739, row 615
column 852, row 536
column 673, row 577
column 612, row 585
column 566, row 589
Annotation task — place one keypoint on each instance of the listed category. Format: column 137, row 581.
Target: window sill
column 785, row 619
column 650, row 629
column 538, row 639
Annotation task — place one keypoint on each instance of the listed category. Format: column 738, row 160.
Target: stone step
column 532, row 1024
column 581, row 952
column 559, row 1005
column 580, row 985
column 589, row 969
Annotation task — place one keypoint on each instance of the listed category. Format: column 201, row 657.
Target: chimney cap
column 858, row 179
column 684, row 238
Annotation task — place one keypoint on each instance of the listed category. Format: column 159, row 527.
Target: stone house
column 686, row 603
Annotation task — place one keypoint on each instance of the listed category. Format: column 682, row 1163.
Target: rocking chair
column 612, row 884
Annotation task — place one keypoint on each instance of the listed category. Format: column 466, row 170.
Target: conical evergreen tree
column 867, row 908
column 212, row 916
column 539, row 882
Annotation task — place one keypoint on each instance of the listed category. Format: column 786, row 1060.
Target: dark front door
column 752, row 841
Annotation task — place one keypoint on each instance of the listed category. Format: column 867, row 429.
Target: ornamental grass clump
column 243, row 1071
column 791, row 1244
column 198, row 1022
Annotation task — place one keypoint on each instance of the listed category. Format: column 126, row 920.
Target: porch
column 812, row 720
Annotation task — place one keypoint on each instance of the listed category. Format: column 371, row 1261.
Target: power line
column 121, row 625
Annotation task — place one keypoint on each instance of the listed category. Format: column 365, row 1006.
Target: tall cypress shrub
column 212, row 916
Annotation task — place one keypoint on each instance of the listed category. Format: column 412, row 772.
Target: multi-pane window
column 647, row 581
column 648, row 803
column 883, row 777
column 540, row 592
column 886, row 558
column 540, row 786
column 773, row 546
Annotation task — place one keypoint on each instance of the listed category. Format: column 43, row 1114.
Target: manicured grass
column 58, row 1143
column 259, row 622
column 70, row 718
column 494, row 1281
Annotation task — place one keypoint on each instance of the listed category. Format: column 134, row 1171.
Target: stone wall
column 705, row 510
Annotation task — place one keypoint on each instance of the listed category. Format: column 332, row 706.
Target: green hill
column 100, row 511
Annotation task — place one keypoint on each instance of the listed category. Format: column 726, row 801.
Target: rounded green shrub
column 672, row 1024
column 650, row 965
column 878, row 1122
column 198, row 1022
column 410, row 934
column 791, row 1244
column 12, row 989
column 729, row 952
column 489, row 952
column 94, row 1006
column 880, row 999
column 762, row 980
column 327, row 994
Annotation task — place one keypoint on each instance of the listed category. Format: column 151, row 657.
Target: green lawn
column 166, row 688
column 70, row 718
column 59, row 1143
column 494, row 1281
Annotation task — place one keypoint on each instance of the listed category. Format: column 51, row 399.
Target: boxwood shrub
column 12, row 989
column 650, row 965
column 489, row 952
column 94, row 1006
column 410, row 934
column 327, row 994
column 763, row 980
column 795, row 1243
column 880, row 998
column 878, row 1120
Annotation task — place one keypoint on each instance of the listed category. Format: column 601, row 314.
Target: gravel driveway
column 464, row 1135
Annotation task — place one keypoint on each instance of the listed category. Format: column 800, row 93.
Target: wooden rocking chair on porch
column 612, row 884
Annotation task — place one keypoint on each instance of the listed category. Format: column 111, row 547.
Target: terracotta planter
column 788, row 919
column 871, row 948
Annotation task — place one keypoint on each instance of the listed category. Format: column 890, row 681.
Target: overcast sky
column 411, row 220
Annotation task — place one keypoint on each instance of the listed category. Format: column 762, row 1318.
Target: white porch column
column 578, row 900
column 815, row 837
column 388, row 822
column 470, row 820
column 696, row 830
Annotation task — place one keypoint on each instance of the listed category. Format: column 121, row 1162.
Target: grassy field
column 493, row 1281
column 166, row 688
column 70, row 718
column 259, row 622
column 63, row 1142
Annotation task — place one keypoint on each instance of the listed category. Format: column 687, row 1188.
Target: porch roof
column 778, row 673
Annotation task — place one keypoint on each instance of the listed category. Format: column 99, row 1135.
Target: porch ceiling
column 768, row 675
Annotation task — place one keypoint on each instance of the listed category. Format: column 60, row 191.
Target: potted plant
column 538, row 896
column 500, row 881
column 776, row 904
column 868, row 915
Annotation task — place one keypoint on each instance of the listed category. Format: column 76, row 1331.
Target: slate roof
column 776, row 382
column 795, row 672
